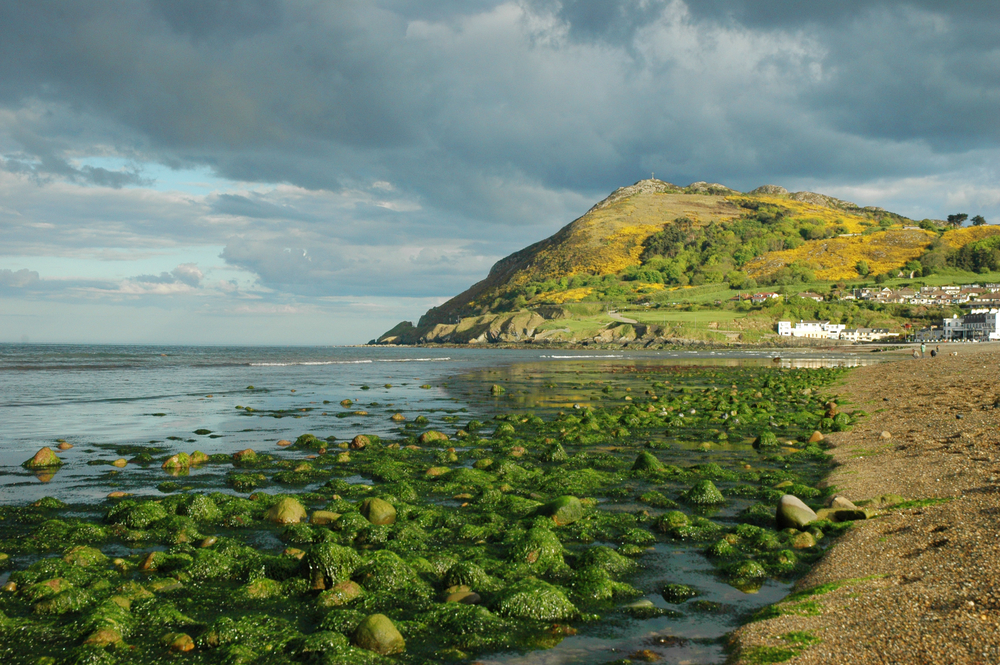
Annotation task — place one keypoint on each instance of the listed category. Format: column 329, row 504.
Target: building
column 980, row 325
column 865, row 334
column 810, row 329
column 811, row 296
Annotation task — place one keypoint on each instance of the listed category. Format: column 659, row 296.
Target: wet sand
column 916, row 585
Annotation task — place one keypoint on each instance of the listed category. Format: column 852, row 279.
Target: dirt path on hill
column 918, row 585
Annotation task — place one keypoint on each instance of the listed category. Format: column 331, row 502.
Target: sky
column 313, row 172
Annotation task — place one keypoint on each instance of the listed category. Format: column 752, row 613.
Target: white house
column 982, row 325
column 810, row 329
column 865, row 334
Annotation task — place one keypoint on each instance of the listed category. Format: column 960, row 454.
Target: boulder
column 802, row 540
column 360, row 442
column 766, row 439
column 177, row 462
column 323, row 517
column 286, row 511
column 563, row 510
column 793, row 513
column 704, row 493
column 377, row 633
column 842, row 503
column 647, row 462
column 532, row 598
column 431, row 436
column 377, row 511
column 816, row 437
column 43, row 459
column 342, row 593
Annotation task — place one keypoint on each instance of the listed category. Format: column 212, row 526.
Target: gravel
column 917, row 585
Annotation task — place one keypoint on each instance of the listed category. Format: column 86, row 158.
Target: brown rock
column 816, row 437
column 360, row 442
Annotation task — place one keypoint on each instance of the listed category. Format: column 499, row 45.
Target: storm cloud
column 421, row 141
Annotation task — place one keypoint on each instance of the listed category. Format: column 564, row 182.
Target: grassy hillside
column 656, row 244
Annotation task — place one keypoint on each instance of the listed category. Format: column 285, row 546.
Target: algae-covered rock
column 323, row 517
column 260, row 589
column 672, row 519
column 563, row 510
column 540, row 548
column 432, row 436
column 43, row 459
column 179, row 461
column 497, row 389
column 746, row 570
column 792, row 512
column 287, row 510
column 766, row 439
column 385, row 571
column 326, row 564
column 81, row 555
column 469, row 574
column 594, row 584
column 134, row 515
column 377, row 633
column 502, row 430
column 360, row 442
column 377, row 511
column 534, row 599
column 342, row 593
column 73, row 599
column 647, row 462
column 802, row 540
column 201, row 509
column 678, row 593
column 704, row 493
column 607, row 559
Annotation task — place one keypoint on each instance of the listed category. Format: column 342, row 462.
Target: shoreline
column 915, row 584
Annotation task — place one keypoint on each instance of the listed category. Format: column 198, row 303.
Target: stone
column 436, row 471
column 120, row 462
column 842, row 503
column 377, row 511
column 346, row 403
column 360, row 442
column 463, row 595
column 766, row 439
column 286, row 511
column 340, row 594
column 802, row 540
column 246, row 455
column 497, row 389
column 885, row 436
column 178, row 461
column 180, row 642
column 563, row 510
column 323, row 517
column 65, row 445
column 704, row 493
column 43, row 459
column 397, row 417
column 198, row 457
column 377, row 633
column 816, row 437
column 792, row 512
column 431, row 436
column 81, row 555
column 284, row 442
column 647, row 462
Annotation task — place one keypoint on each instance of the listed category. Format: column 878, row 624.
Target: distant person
column 933, row 353
column 923, row 349
column 916, row 354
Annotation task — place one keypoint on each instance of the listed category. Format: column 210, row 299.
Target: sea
column 111, row 401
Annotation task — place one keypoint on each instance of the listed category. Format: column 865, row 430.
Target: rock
column 397, row 417
column 678, row 593
column 647, row 462
column 360, row 442
column 43, row 459
column 327, row 564
column 842, row 503
column 792, row 512
column 497, row 389
column 885, row 436
column 532, row 598
column 323, row 517
column 704, row 493
column 346, row 403
column 563, row 510
column 180, row 642
column 286, row 511
column 377, row 633
column 377, row 511
column 430, row 436
column 198, row 457
column 766, row 439
column 103, row 637
column 816, row 437
column 177, row 462
column 120, row 462
column 65, row 445
column 342, row 593
column 246, row 455
column 284, row 442
column 81, row 555
column 802, row 540
column 436, row 471
column 463, row 595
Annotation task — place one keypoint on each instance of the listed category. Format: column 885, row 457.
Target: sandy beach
column 911, row 585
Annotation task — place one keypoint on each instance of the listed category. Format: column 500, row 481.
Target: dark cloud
column 415, row 142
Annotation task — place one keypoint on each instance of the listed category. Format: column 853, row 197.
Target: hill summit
column 653, row 237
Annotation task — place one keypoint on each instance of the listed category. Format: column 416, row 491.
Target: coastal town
column 981, row 323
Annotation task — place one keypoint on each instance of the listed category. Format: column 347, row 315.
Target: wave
column 349, row 362
column 581, row 356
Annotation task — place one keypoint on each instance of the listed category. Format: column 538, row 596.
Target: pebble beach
column 918, row 582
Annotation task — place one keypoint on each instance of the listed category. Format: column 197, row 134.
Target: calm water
column 103, row 399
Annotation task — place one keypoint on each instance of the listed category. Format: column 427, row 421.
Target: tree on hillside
column 862, row 268
column 957, row 220
column 978, row 220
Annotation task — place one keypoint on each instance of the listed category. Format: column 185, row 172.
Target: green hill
column 651, row 242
